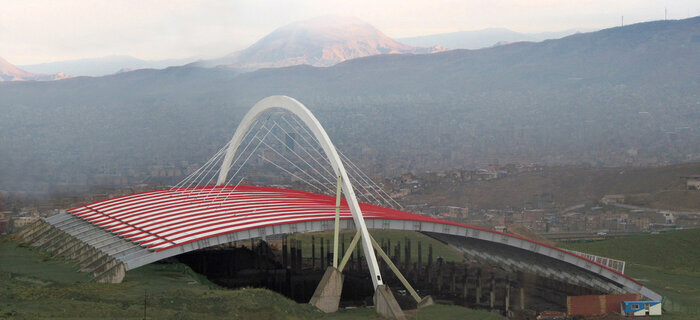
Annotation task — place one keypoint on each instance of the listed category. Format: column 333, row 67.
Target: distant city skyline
column 37, row 31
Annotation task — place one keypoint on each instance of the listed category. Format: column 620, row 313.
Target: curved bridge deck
column 112, row 236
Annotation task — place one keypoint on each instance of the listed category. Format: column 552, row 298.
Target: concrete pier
column 327, row 294
column 386, row 304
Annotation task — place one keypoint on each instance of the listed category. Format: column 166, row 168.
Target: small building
column 613, row 198
column 640, row 308
column 597, row 305
column 456, row 212
column 20, row 222
column 4, row 222
column 668, row 216
column 692, row 182
column 500, row 228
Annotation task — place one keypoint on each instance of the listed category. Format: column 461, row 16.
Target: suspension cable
column 292, row 174
column 300, row 157
column 246, row 159
column 291, row 162
column 356, row 182
column 361, row 173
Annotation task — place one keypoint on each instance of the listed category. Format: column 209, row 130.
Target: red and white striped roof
column 164, row 219
column 169, row 218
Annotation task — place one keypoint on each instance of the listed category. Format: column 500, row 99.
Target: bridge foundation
column 386, row 304
column 327, row 294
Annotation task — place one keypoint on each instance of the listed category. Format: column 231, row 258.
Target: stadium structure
column 110, row 237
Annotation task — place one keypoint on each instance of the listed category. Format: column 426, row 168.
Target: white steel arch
column 305, row 115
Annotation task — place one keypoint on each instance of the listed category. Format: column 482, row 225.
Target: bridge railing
column 618, row 265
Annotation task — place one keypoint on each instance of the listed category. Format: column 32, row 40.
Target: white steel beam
column 305, row 115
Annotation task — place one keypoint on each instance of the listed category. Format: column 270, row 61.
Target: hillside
column 9, row 72
column 37, row 286
column 484, row 38
column 101, row 66
column 659, row 187
column 590, row 99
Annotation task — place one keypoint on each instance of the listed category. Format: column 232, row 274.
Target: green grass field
column 33, row 285
column 676, row 251
column 668, row 263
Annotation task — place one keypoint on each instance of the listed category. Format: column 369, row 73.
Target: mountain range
column 484, row 38
column 323, row 41
column 619, row 96
column 9, row 72
column 319, row 42
column 96, row 67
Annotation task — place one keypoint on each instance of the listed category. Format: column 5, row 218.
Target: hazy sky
column 34, row 31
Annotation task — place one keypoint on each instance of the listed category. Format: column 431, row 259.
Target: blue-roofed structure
column 641, row 308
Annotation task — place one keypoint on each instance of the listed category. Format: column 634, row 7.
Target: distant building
column 669, row 217
column 455, row 212
column 642, row 223
column 400, row 193
column 613, row 198
column 4, row 222
column 692, row 182
column 19, row 222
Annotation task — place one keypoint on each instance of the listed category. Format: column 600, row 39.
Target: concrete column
column 420, row 257
column 323, row 261
column 527, row 283
column 478, row 287
column 342, row 246
column 359, row 258
column 407, row 254
column 397, row 254
column 292, row 254
column 439, row 278
column 313, row 253
column 288, row 281
column 507, row 298
column 492, row 300
column 388, row 247
column 453, row 280
column 285, row 259
column 300, row 264
column 465, row 289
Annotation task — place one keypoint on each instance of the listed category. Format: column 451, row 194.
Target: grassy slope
column 572, row 185
column 677, row 252
column 668, row 263
column 35, row 286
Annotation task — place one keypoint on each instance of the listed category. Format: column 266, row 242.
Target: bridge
column 111, row 237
